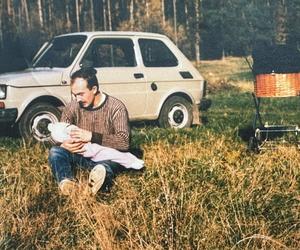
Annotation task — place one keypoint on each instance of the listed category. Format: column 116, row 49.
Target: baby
column 60, row 132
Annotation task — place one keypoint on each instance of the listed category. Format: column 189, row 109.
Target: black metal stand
column 257, row 116
column 265, row 135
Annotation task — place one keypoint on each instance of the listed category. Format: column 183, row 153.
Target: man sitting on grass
column 100, row 119
column 60, row 132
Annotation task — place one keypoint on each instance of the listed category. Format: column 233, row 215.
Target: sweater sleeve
column 68, row 114
column 120, row 138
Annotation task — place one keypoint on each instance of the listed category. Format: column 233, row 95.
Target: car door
column 161, row 70
column 118, row 72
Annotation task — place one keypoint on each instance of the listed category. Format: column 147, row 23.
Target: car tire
column 176, row 112
column 34, row 122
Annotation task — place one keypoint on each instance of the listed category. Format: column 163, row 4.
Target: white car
column 144, row 70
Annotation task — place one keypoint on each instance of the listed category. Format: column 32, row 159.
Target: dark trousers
column 64, row 165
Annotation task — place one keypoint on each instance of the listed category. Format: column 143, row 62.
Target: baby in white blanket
column 60, row 132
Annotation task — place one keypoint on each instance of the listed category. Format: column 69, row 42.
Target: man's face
column 84, row 96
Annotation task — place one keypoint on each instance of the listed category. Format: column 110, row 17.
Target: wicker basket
column 277, row 85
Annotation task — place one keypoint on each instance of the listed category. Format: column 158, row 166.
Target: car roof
column 116, row 33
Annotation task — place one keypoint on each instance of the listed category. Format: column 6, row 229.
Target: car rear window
column 156, row 54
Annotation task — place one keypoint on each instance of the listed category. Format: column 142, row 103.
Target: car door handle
column 138, row 75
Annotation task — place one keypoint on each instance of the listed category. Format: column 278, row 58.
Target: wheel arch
column 56, row 102
column 181, row 94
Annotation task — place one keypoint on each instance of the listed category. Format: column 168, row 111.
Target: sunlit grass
column 227, row 73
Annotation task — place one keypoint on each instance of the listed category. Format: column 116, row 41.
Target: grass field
column 201, row 189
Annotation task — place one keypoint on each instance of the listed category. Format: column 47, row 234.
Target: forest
column 202, row 29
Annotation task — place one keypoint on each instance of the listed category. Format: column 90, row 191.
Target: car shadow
column 205, row 104
column 8, row 131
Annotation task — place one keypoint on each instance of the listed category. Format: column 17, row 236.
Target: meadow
column 201, row 187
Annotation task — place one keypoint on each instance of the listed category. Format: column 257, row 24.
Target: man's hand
column 80, row 135
column 73, row 147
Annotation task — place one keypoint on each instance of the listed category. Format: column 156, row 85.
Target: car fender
column 174, row 92
column 41, row 96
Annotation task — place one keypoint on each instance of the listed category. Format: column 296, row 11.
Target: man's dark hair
column 88, row 74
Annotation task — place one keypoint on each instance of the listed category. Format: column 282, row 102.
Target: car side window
column 156, row 54
column 109, row 53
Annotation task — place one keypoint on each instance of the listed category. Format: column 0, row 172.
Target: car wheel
column 34, row 122
column 176, row 113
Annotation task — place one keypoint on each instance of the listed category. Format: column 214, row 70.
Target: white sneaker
column 67, row 186
column 96, row 178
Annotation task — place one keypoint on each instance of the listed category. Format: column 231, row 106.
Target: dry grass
column 200, row 190
column 229, row 73
column 195, row 194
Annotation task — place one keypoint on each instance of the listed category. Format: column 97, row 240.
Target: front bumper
column 8, row 115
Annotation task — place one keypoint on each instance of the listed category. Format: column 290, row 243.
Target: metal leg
column 257, row 116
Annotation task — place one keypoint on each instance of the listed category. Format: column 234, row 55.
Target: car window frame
column 96, row 39
column 159, row 65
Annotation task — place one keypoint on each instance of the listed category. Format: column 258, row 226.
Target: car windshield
column 60, row 52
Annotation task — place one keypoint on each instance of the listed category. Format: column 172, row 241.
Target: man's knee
column 55, row 152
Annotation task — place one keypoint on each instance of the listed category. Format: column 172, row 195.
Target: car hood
column 32, row 77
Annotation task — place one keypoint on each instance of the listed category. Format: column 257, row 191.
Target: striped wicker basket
column 277, row 85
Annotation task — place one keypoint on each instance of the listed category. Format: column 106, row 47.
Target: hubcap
column 40, row 125
column 178, row 116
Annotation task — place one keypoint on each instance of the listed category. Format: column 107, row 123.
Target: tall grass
column 200, row 189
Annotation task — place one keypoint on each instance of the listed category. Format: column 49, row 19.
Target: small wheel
column 176, row 113
column 253, row 145
column 34, row 122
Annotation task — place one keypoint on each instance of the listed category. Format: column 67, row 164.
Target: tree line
column 202, row 29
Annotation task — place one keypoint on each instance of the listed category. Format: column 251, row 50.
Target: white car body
column 144, row 89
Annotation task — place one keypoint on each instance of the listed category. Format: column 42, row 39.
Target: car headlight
column 2, row 91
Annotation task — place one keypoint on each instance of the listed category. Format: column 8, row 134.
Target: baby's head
column 60, row 131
